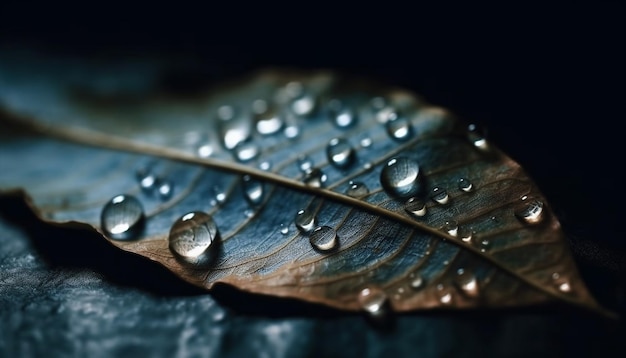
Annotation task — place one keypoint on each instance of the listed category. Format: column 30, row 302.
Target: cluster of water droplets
column 322, row 238
column 151, row 183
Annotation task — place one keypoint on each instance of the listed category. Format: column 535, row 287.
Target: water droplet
column 339, row 152
column 192, row 234
column 367, row 166
column 122, row 218
column 386, row 114
column 417, row 282
column 343, row 117
column 205, row 150
column 248, row 213
column 451, row 227
column 399, row 128
column 291, row 132
column 265, row 165
column 148, row 183
column 315, row 178
column 484, row 245
column 561, row 283
column 268, row 121
column 235, row 131
column 477, row 137
column 253, row 190
column 226, row 113
column 445, row 294
column 365, row 142
column 305, row 221
column 166, row 189
column 415, row 207
column 246, row 151
column 324, row 238
column 284, row 229
column 465, row 185
column 305, row 163
column 465, row 234
column 373, row 300
column 400, row 177
column 530, row 210
column 357, row 189
column 303, row 105
column 565, row 287
column 467, row 283
column 556, row 276
column 220, row 196
column 440, row 195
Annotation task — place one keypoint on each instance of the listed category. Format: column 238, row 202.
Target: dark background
column 547, row 81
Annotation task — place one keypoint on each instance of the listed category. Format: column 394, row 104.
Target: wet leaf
column 310, row 185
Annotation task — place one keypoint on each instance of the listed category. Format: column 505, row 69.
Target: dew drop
column 246, row 151
column 248, row 213
column 284, row 229
column 340, row 152
column 565, row 287
column 253, row 190
column 304, row 105
column 530, row 210
column 235, row 132
column 324, row 238
column 477, row 137
column 315, row 178
column 291, row 132
column 205, row 150
column 305, row 163
column 484, row 245
column 265, row 165
column 440, row 195
column 365, row 142
column 122, row 218
column 373, row 300
column 268, row 120
column 357, row 189
column 465, row 185
column 147, row 180
column 344, row 118
column 445, row 294
column 415, row 207
column 386, row 114
column 305, row 221
column 465, row 234
column 400, row 177
column 192, row 234
column 399, row 128
column 417, row 282
column 467, row 283
column 451, row 227
column 166, row 189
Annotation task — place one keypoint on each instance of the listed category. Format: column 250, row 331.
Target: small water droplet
column 344, row 118
column 400, row 177
column 465, row 185
column 248, row 213
column 530, row 211
column 386, row 114
column 565, row 287
column 451, row 227
column 357, row 189
column 291, row 132
column 220, row 196
column 340, row 152
column 367, row 166
column 268, row 121
column 192, row 234
column 417, row 282
column 305, row 163
column 235, row 132
column 122, row 218
column 303, row 105
column 324, row 238
column 226, row 113
column 246, row 151
column 484, row 245
column 445, row 294
column 315, row 178
column 373, row 300
column 253, row 190
column 440, row 195
column 166, row 189
column 467, row 283
column 365, row 142
column 284, row 229
column 205, row 150
column 399, row 128
column 148, row 183
column 265, row 165
column 415, row 207
column 477, row 137
column 305, row 221
column 465, row 234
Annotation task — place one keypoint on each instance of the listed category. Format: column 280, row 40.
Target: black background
column 547, row 81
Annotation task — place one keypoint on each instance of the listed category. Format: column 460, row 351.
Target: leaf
column 256, row 155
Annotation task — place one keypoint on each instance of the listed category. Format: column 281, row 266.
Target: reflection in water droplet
column 373, row 300
column 451, row 227
column 122, row 218
column 357, row 189
column 365, row 142
column 268, row 121
column 315, row 178
column 440, row 195
column 284, row 229
column 530, row 210
column 220, row 196
column 465, row 185
column 477, row 138
column 253, row 190
column 246, row 151
column 445, row 294
column 400, row 177
column 205, row 150
column 305, row 163
column 303, row 105
column 324, row 238
column 467, row 283
column 339, row 152
column 166, row 189
column 415, row 207
column 248, row 213
column 147, row 180
column 561, row 283
column 305, row 220
column 399, row 128
column 417, row 281
column 192, row 234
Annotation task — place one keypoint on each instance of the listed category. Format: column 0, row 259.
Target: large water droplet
column 192, row 234
column 315, row 178
column 339, row 152
column 268, row 120
column 305, row 220
column 440, row 195
column 399, row 128
column 465, row 185
column 246, row 151
column 467, row 283
column 373, row 300
column 400, row 177
column 477, row 137
column 253, row 189
column 357, row 189
column 122, row 218
column 415, row 207
column 324, row 238
column 530, row 210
